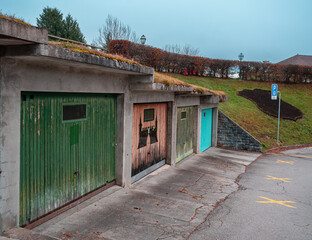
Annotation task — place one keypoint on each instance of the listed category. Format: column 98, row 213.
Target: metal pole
column 279, row 114
column 240, row 73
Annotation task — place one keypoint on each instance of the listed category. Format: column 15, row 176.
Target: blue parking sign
column 274, row 92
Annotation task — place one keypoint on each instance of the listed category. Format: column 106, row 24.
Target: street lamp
column 240, row 57
column 143, row 39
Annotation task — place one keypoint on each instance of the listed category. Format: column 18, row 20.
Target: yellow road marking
column 281, row 161
column 278, row 202
column 281, row 154
column 281, row 179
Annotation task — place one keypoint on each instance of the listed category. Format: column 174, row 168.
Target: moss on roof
column 158, row 77
column 168, row 81
column 85, row 49
column 11, row 18
column 202, row 90
column 171, row 81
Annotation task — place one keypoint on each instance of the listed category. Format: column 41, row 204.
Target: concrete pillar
column 172, row 133
column 197, row 128
column 124, row 140
column 214, row 127
column 10, row 145
column 120, row 140
column 171, row 127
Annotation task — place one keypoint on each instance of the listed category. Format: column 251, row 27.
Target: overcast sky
column 261, row 29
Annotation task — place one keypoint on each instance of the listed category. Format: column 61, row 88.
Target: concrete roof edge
column 208, row 97
column 159, row 87
column 43, row 50
column 22, row 31
column 71, row 55
column 178, row 90
column 223, row 98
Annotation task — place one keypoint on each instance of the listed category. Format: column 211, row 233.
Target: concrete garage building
column 74, row 123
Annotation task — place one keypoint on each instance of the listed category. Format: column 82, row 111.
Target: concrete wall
column 126, row 150
column 3, row 185
column 16, row 33
column 17, row 76
column 151, row 97
column 200, row 103
column 232, row 136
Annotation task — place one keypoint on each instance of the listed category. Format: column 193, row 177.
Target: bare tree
column 173, row 48
column 114, row 29
column 189, row 50
column 186, row 50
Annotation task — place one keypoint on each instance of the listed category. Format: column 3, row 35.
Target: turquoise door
column 206, row 129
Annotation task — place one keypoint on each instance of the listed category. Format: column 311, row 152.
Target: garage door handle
column 76, row 173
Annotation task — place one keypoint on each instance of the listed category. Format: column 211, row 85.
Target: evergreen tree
column 52, row 20
column 71, row 29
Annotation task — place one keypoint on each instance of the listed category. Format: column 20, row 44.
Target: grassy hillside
column 257, row 123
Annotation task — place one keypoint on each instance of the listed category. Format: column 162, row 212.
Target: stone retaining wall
column 232, row 136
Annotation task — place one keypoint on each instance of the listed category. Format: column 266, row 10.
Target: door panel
column 149, row 135
column 67, row 149
column 185, row 132
column 206, row 129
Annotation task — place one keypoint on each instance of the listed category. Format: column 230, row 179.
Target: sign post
column 274, row 92
column 274, row 97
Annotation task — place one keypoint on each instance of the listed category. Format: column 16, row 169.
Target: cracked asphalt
column 273, row 201
column 170, row 203
column 217, row 194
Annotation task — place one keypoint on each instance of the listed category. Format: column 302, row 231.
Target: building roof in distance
column 302, row 60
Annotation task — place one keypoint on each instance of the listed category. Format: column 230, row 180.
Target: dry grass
column 14, row 19
column 159, row 77
column 171, row 81
column 203, row 90
column 259, row 124
column 85, row 49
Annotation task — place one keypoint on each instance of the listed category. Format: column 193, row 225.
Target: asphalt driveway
column 274, row 201
column 170, row 203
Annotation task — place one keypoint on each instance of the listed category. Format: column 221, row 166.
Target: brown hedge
column 164, row 61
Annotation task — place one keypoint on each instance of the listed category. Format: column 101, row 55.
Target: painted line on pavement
column 288, row 180
column 277, row 202
column 288, row 162
column 280, row 154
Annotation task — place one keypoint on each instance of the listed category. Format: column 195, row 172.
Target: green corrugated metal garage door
column 67, row 149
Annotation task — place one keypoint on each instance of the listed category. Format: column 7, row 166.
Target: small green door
column 185, row 132
column 206, row 129
column 67, row 149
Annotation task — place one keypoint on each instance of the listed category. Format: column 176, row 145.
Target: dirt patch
column 262, row 98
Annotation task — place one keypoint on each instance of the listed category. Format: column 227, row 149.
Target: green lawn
column 261, row 126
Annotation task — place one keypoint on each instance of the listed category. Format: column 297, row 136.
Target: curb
column 290, row 147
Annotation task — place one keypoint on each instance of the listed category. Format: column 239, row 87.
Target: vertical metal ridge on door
column 62, row 159
column 185, row 132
